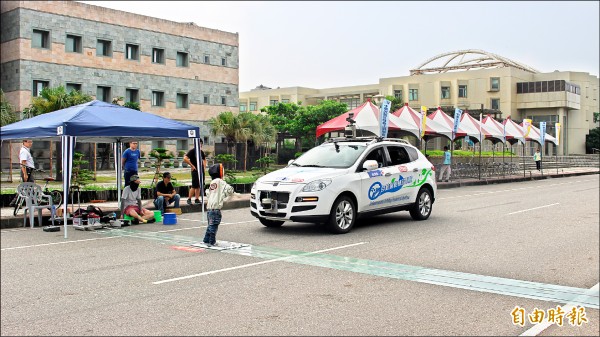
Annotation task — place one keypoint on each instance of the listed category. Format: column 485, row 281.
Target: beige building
column 472, row 80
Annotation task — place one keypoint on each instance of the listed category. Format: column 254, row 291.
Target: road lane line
column 531, row 209
column 253, row 264
column 538, row 328
column 57, row 243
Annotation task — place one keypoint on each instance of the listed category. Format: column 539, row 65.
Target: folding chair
column 34, row 200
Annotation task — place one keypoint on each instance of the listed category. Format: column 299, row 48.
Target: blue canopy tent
column 100, row 122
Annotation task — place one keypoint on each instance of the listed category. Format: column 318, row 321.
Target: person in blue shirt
column 446, row 165
column 129, row 161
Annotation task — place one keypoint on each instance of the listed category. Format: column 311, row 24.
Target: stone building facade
column 176, row 70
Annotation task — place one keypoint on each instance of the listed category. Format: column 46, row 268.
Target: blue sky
column 326, row 44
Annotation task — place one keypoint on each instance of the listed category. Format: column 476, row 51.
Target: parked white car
column 346, row 178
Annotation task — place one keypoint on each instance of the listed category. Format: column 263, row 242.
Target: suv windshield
column 331, row 155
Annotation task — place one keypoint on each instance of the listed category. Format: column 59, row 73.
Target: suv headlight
column 316, row 185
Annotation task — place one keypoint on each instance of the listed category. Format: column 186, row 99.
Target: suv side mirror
column 370, row 165
column 291, row 161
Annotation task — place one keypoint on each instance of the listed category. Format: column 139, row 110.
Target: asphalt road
column 485, row 251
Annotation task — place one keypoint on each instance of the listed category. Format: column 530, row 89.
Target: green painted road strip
column 588, row 298
column 497, row 285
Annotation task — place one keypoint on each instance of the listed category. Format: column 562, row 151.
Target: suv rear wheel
column 422, row 207
column 343, row 215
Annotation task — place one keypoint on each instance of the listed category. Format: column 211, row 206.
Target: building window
column 223, row 61
column 207, row 59
column 158, row 55
column 132, row 52
column 223, row 100
column 158, row 98
column 445, row 92
column 183, row 145
column 462, row 91
column 182, row 59
column 103, row 48
column 252, row 106
column 496, row 103
column 132, row 95
column 73, row 44
column 40, row 39
column 285, row 100
column 73, row 86
column 103, row 94
column 38, row 86
column 206, row 99
column 413, row 94
column 494, row 83
column 398, row 94
column 273, row 102
column 243, row 107
column 182, row 101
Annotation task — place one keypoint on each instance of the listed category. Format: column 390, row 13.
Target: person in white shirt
column 26, row 161
column 216, row 193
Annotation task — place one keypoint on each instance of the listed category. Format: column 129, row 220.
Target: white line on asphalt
column 514, row 189
column 538, row 328
column 531, row 209
column 57, row 243
column 253, row 264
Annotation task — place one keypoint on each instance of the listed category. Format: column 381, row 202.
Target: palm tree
column 225, row 124
column 52, row 99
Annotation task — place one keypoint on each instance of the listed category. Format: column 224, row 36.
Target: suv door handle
column 416, row 169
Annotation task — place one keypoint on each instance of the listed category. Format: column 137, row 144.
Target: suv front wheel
column 343, row 215
column 422, row 207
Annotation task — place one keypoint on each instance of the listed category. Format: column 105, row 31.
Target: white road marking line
column 538, row 328
column 531, row 209
column 514, row 189
column 58, row 243
column 253, row 264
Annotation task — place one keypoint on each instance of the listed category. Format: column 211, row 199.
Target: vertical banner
column 526, row 127
column 457, row 114
column 557, row 128
column 542, row 132
column 384, row 112
column 423, row 120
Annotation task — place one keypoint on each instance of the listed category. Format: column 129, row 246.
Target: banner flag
column 557, row 127
column 542, row 132
column 384, row 115
column 527, row 127
column 457, row 114
column 423, row 120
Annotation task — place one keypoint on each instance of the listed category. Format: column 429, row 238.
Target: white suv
column 346, row 178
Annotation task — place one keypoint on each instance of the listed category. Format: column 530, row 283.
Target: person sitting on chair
column 165, row 194
column 131, row 202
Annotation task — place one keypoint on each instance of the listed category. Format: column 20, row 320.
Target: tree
column 7, row 115
column 396, row 103
column 130, row 105
column 302, row 121
column 52, row 99
column 316, row 115
column 592, row 140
